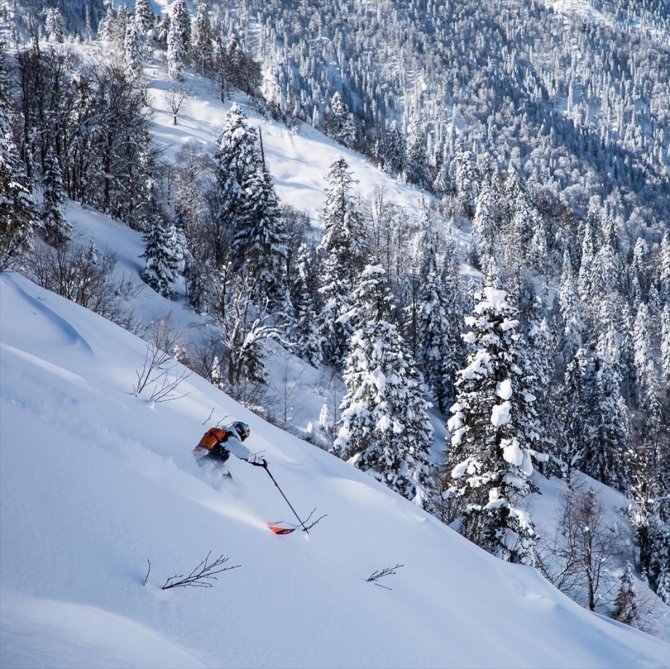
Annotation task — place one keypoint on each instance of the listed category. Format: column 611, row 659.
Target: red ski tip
column 280, row 529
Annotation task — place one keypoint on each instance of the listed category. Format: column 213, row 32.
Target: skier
column 219, row 442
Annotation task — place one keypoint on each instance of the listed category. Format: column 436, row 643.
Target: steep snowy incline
column 95, row 482
column 298, row 161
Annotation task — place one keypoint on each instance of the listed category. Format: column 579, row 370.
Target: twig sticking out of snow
column 376, row 575
column 313, row 523
column 202, row 576
column 146, row 578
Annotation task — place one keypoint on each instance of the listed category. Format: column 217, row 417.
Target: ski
column 281, row 528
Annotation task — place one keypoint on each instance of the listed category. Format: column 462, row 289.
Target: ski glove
column 259, row 463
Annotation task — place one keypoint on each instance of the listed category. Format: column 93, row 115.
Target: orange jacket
column 212, row 437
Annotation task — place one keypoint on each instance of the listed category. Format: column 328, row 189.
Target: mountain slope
column 95, row 481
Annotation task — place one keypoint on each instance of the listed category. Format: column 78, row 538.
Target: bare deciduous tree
column 84, row 275
column 175, row 99
column 578, row 558
column 161, row 374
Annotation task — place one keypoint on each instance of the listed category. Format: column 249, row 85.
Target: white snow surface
column 94, row 482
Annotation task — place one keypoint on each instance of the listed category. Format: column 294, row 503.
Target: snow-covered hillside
column 298, row 160
column 96, row 481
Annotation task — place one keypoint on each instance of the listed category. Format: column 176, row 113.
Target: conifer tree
column 181, row 20
column 202, row 51
column 54, row 24
column 305, row 330
column 535, row 415
column 440, row 312
column 466, row 179
column 416, row 166
column 261, row 238
column 161, row 252
column 57, row 229
column 571, row 311
column 18, row 217
column 106, row 27
column 665, row 345
column 237, row 161
column 343, row 248
column 132, row 53
column 340, row 126
column 585, row 280
column 176, row 45
column 384, row 427
column 649, row 399
column 484, row 224
column 394, row 149
column 664, row 270
column 489, row 462
column 663, row 586
column 144, row 17
column 625, row 606
column 603, row 455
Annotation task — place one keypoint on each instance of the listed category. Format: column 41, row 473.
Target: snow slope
column 95, row 482
column 298, row 161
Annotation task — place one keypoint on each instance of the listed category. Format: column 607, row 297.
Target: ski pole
column 286, row 498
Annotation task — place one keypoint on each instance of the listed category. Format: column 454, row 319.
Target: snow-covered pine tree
column 626, row 608
column 536, row 415
column 343, row 248
column 442, row 183
column 663, row 586
column 181, row 20
column 18, row 217
column 53, row 24
column 659, row 535
column 665, row 345
column 144, row 17
column 132, row 53
column 261, row 239
column 237, row 161
column 305, row 330
column 649, row 390
column 384, row 427
column 440, row 312
column 485, row 224
column 664, row 269
column 339, row 125
column 57, row 229
column 490, row 464
column 394, row 149
column 466, row 180
column 585, row 278
column 416, row 164
column 571, row 311
column 649, row 461
column 176, row 46
column 106, row 27
column 202, row 51
column 162, row 257
column 603, row 455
